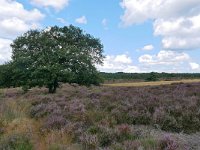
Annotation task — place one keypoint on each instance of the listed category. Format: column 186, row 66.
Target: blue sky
column 138, row 35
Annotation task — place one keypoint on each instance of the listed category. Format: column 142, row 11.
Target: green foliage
column 121, row 76
column 152, row 77
column 53, row 55
column 6, row 72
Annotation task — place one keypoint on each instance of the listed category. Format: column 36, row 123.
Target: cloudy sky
column 138, row 35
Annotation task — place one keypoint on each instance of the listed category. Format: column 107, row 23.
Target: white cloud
column 104, row 22
column 138, row 11
column 61, row 20
column 194, row 66
column 131, row 69
column 148, row 47
column 176, row 21
column 179, row 33
column 14, row 26
column 146, row 58
column 118, row 63
column 164, row 61
column 124, row 59
column 81, row 20
column 5, row 50
column 164, row 58
column 14, row 19
column 56, row 4
column 10, row 9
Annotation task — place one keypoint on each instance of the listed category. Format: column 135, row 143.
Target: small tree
column 53, row 55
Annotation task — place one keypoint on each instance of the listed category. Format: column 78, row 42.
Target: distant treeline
column 153, row 76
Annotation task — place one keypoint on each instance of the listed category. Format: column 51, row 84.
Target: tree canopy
column 53, row 55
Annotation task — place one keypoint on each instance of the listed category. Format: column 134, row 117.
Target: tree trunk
column 50, row 89
column 53, row 87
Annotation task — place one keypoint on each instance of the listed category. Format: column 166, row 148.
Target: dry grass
column 138, row 84
column 15, row 120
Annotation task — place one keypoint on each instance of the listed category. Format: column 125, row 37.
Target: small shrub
column 89, row 141
column 38, row 111
column 167, row 143
column 131, row 145
column 107, row 136
column 93, row 130
column 124, row 133
column 44, row 109
column 105, row 139
column 55, row 122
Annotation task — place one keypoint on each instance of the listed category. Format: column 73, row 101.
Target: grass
column 105, row 117
column 154, row 83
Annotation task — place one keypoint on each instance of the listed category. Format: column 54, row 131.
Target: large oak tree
column 56, row 54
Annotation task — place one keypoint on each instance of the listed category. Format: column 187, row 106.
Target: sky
column 138, row 35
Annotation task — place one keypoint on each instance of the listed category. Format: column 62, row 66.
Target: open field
column 162, row 117
column 154, row 83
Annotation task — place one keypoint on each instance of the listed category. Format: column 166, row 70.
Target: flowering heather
column 167, row 143
column 55, row 122
column 113, row 117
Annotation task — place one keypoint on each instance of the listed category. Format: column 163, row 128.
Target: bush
column 89, row 141
column 167, row 143
column 55, row 122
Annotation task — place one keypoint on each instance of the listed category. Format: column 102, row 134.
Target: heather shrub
column 171, row 124
column 169, row 107
column 16, row 142
column 105, row 139
column 131, row 145
column 55, row 122
column 38, row 99
column 108, row 121
column 44, row 109
column 2, row 126
column 89, row 141
column 167, row 143
column 95, row 116
column 140, row 117
column 107, row 136
column 110, row 118
column 124, row 133
column 93, row 130
column 38, row 110
column 11, row 93
column 191, row 122
column 75, row 110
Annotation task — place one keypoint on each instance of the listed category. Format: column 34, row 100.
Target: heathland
column 158, row 117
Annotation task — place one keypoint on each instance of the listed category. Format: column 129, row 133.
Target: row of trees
column 53, row 55
column 152, row 76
